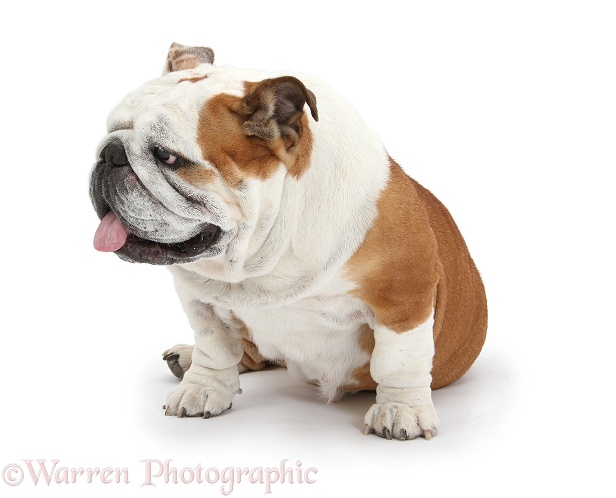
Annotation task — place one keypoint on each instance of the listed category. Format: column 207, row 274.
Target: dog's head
column 194, row 161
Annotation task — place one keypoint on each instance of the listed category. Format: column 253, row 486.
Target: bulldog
column 292, row 237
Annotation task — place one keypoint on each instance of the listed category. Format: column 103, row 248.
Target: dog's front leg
column 401, row 363
column 212, row 380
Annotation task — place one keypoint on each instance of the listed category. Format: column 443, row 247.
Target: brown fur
column 237, row 155
column 363, row 381
column 251, row 358
column 196, row 175
column 395, row 267
column 414, row 258
column 192, row 80
column 366, row 338
column 224, row 143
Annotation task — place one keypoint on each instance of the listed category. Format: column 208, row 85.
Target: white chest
column 318, row 337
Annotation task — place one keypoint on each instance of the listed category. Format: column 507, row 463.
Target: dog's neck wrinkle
column 266, row 250
column 309, row 218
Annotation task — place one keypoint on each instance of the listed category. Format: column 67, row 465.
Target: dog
column 292, row 236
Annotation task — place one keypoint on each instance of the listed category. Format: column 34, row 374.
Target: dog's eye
column 165, row 156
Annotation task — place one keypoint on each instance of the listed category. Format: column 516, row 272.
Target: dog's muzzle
column 116, row 192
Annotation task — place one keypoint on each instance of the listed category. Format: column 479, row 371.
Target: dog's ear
column 274, row 108
column 182, row 57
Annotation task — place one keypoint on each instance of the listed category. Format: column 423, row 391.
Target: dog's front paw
column 178, row 359
column 401, row 421
column 194, row 400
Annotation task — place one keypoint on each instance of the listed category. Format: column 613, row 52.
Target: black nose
column 114, row 155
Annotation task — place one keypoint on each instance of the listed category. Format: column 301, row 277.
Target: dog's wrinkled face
column 189, row 157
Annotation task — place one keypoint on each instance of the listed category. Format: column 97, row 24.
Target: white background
column 505, row 110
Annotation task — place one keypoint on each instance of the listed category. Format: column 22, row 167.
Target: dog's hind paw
column 178, row 359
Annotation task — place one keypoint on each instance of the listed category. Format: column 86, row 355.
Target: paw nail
column 427, row 434
column 182, row 412
column 366, row 430
column 386, row 433
column 207, row 415
column 403, row 435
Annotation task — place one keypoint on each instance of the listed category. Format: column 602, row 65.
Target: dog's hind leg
column 179, row 358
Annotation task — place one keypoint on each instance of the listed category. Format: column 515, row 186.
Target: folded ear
column 181, row 57
column 275, row 107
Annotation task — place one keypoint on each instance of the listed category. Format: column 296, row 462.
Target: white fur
column 403, row 359
column 318, row 336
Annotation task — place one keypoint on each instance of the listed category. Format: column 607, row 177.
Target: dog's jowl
column 292, row 238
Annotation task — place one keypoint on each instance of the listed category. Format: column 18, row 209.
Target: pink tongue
column 111, row 234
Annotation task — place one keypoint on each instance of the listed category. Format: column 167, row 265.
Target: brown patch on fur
column 238, row 155
column 362, row 381
column 366, row 338
column 413, row 259
column 303, row 152
column 395, row 267
column 194, row 79
column 224, row 143
column 251, row 358
column 196, row 175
